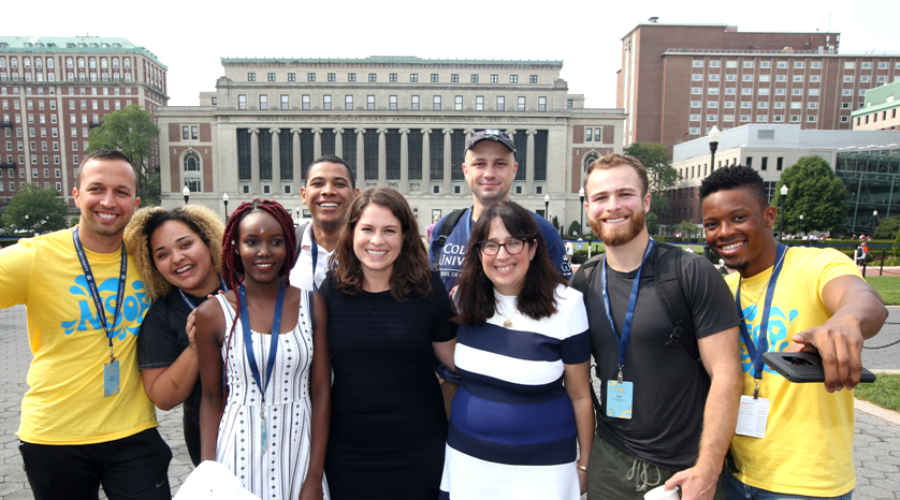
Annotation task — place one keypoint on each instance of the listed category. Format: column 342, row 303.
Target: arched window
column 589, row 158
column 191, row 163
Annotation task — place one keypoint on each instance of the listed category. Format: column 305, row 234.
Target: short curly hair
column 735, row 177
column 201, row 220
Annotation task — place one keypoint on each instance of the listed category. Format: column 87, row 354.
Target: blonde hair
column 201, row 220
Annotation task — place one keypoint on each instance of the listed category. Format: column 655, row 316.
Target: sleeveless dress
column 279, row 473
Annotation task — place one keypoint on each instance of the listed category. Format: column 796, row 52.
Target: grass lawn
column 888, row 287
column 885, row 392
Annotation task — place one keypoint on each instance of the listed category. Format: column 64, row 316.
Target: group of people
column 307, row 359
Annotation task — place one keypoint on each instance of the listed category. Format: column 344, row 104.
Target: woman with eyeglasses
column 523, row 353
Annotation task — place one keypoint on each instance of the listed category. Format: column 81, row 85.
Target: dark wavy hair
column 735, row 177
column 411, row 273
column 475, row 294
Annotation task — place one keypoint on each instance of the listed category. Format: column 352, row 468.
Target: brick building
column 53, row 90
column 678, row 80
column 400, row 122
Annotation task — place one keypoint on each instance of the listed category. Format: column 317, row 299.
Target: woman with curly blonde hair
column 179, row 254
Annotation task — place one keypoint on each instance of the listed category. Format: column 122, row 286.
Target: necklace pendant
column 507, row 323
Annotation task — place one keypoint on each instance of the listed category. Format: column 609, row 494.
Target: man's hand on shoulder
column 697, row 483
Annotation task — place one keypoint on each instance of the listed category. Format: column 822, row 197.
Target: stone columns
column 382, row 157
column 426, row 161
column 404, row 160
column 317, row 143
column 276, row 161
column 339, row 142
column 360, row 158
column 298, row 172
column 254, row 161
column 448, row 166
column 529, row 163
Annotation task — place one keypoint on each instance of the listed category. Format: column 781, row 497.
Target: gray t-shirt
column 670, row 387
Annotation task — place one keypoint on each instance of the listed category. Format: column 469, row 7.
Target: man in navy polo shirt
column 490, row 167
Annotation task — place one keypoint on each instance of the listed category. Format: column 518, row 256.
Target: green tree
column 574, row 228
column 35, row 209
column 131, row 131
column 887, row 228
column 814, row 192
column 688, row 228
column 660, row 173
column 555, row 222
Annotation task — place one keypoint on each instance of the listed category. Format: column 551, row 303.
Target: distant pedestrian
column 86, row 420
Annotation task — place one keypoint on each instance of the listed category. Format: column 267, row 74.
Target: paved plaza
column 876, row 450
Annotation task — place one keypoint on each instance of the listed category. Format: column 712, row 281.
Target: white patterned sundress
column 279, row 474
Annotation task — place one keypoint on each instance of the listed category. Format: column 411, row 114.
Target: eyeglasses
column 513, row 246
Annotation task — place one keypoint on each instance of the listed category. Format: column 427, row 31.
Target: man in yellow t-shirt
column 793, row 439
column 86, row 420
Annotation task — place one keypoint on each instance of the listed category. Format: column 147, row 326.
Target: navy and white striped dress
column 512, row 426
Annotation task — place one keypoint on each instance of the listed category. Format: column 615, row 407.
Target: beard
column 620, row 235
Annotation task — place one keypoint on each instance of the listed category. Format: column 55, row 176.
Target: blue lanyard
column 190, row 304
column 273, row 344
column 632, row 300
column 756, row 351
column 95, row 293
column 314, row 249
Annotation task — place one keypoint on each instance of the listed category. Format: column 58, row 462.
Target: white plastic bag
column 212, row 480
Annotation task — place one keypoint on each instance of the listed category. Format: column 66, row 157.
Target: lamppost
column 581, row 222
column 784, row 192
column 713, row 145
column 875, row 221
column 186, row 193
column 801, row 225
column 225, row 201
column 547, row 206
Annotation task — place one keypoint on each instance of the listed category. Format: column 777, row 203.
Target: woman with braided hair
column 271, row 430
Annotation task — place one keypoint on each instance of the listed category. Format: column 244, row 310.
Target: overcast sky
column 190, row 37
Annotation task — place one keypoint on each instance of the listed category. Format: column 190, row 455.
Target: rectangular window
column 479, row 103
column 326, row 102
column 542, row 104
column 495, row 78
column 351, row 77
column 501, row 103
column 815, row 78
column 747, row 78
column 865, row 79
column 816, row 65
column 263, row 101
column 437, row 103
column 730, row 91
column 454, row 78
column 731, row 64
column 242, row 101
column 695, row 104
column 392, row 77
column 813, row 92
column 811, row 118
column 698, row 90
column 746, row 104
column 413, row 77
column 813, row 105
column 392, row 102
column 763, row 91
column 710, row 104
column 304, row 99
column 796, row 91
column 748, row 64
column 195, row 132
column 332, row 77
column 373, row 77
column 285, row 102
column 848, row 79
column 434, row 78
column 799, row 64
column 473, row 78
column 271, row 77
column 866, row 65
column 697, row 63
column 251, row 77
column 765, row 64
column 715, row 64
column 695, row 118
column 710, row 118
column 761, row 119
column 515, row 78
column 747, row 91
column 882, row 65
column 588, row 132
column 849, row 65
column 292, row 77
column 780, row 78
column 795, row 118
column 310, row 77
column 798, row 78
column 348, row 102
column 762, row 104
column 185, row 132
column 532, row 79
column 370, row 102
column 764, row 78
column 521, row 103
column 414, row 103
column 458, row 103
column 697, row 77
